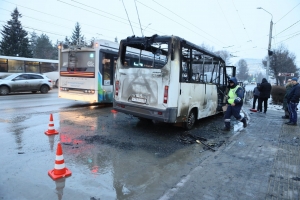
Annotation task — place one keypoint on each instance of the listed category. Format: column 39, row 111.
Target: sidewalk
column 261, row 162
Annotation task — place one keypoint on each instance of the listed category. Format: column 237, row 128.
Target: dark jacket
column 288, row 89
column 265, row 89
column 256, row 91
column 294, row 95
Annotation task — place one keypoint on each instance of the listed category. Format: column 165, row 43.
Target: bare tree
column 207, row 47
column 243, row 70
column 259, row 77
column 282, row 61
column 225, row 55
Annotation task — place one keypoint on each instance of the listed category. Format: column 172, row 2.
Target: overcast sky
column 233, row 25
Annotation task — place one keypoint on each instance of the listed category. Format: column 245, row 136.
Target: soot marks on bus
column 142, row 87
column 183, row 113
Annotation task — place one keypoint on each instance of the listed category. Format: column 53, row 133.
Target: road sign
column 285, row 74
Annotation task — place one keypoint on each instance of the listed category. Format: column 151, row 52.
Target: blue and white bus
column 86, row 71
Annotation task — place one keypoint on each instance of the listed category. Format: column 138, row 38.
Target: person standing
column 265, row 92
column 288, row 88
column 255, row 95
column 235, row 103
column 293, row 101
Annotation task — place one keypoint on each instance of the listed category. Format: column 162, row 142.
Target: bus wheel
column 56, row 83
column 190, row 120
column 44, row 89
column 4, row 90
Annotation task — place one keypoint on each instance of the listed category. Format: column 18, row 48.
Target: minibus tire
column 188, row 125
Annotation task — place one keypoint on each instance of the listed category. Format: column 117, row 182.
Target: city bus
column 86, row 71
column 168, row 79
column 14, row 64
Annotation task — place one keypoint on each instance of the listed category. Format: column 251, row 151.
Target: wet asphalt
column 111, row 155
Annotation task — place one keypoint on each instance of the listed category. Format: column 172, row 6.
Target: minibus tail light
column 166, row 94
column 117, row 84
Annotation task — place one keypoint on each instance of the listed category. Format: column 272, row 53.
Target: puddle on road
column 125, row 158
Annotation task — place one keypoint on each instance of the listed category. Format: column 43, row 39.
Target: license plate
column 139, row 100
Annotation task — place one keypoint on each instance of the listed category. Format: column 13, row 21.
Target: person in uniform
column 235, row 103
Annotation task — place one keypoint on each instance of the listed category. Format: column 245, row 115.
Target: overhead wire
column 187, row 21
column 4, row 22
column 288, row 35
column 133, row 22
column 287, row 28
column 93, row 7
column 276, row 36
column 175, row 21
column 110, row 14
column 249, row 39
column 288, row 38
column 138, row 17
column 53, row 33
column 53, row 23
column 128, row 17
column 26, row 16
column 59, row 17
column 228, row 22
column 288, row 13
column 91, row 11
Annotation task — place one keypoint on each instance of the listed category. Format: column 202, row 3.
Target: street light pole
column 269, row 47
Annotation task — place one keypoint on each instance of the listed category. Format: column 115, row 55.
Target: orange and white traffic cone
column 60, row 170
column 51, row 130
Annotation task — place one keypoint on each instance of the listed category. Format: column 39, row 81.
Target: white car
column 24, row 82
column 54, row 76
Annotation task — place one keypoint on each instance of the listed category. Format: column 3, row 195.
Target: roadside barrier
column 60, row 170
column 51, row 130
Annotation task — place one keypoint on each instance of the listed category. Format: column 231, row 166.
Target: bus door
column 107, row 69
column 225, row 73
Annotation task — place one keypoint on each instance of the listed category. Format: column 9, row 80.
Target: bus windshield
column 150, row 54
column 78, row 61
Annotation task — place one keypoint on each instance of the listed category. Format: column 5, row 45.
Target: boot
column 244, row 122
column 292, row 123
column 226, row 127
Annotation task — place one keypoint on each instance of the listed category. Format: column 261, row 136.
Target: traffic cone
column 60, row 170
column 51, row 130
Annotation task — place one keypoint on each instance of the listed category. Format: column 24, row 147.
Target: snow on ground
column 238, row 126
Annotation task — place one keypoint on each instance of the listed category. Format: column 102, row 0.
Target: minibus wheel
column 190, row 120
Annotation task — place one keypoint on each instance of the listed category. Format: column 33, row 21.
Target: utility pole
column 269, row 47
column 269, row 50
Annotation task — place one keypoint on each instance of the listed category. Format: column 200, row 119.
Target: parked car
column 24, row 82
column 54, row 76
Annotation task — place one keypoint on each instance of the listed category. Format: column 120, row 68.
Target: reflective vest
column 232, row 95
